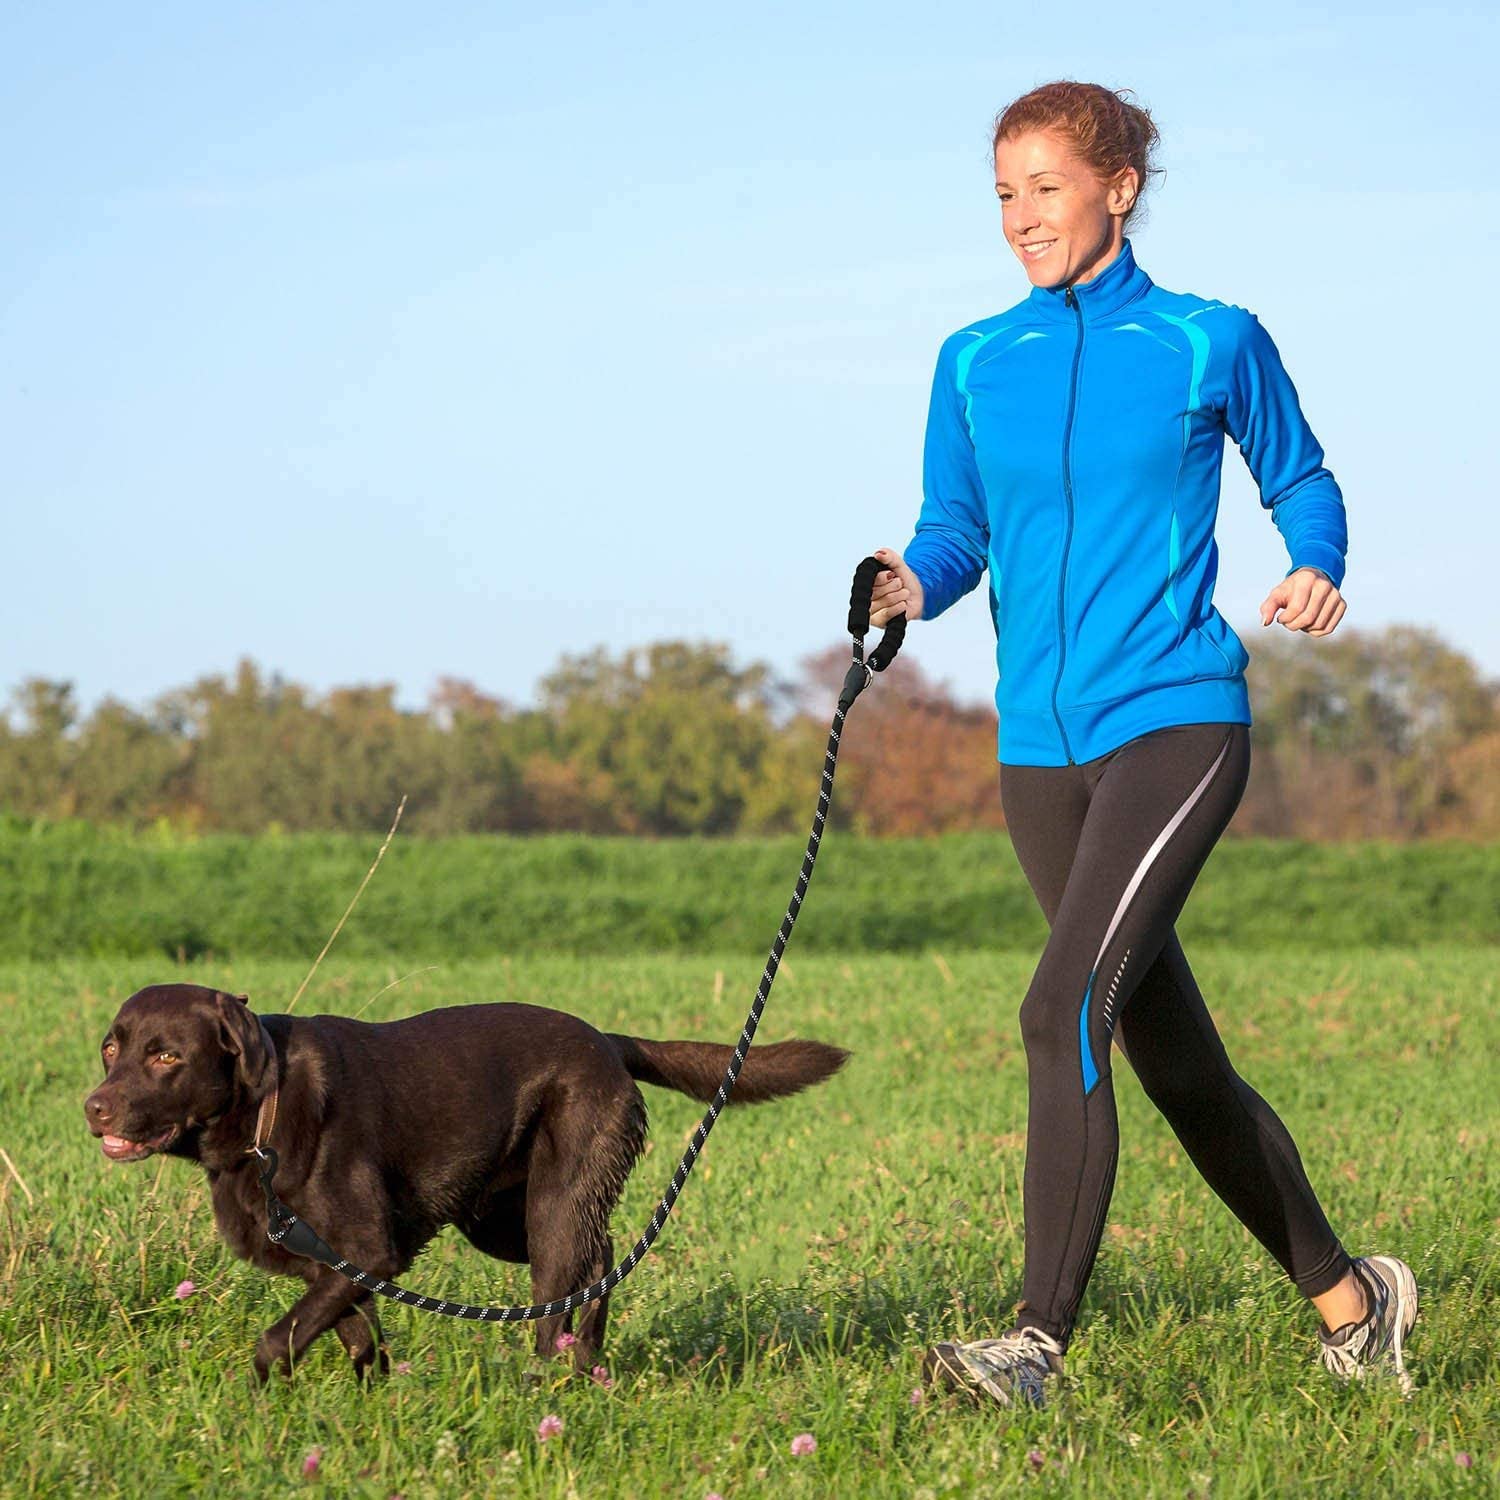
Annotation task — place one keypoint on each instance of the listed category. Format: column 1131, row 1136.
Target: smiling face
column 1064, row 224
column 172, row 1063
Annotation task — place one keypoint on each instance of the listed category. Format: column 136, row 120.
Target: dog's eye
column 167, row 1057
column 109, row 1050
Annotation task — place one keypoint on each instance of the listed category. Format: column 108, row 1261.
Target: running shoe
column 1391, row 1293
column 1015, row 1365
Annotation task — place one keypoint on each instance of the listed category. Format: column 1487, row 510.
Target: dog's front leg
column 359, row 1332
column 326, row 1303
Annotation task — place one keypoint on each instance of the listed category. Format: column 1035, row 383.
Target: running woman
column 1074, row 446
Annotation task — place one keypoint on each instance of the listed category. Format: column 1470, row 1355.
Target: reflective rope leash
column 293, row 1234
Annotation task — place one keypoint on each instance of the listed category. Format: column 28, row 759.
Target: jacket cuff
column 1322, row 558
column 934, row 599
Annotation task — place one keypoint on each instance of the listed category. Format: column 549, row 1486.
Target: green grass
column 71, row 888
column 820, row 1244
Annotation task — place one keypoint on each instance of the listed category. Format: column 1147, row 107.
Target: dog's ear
column 242, row 1035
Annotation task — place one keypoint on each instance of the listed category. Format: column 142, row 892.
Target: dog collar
column 265, row 1119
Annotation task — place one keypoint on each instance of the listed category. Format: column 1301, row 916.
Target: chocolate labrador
column 516, row 1124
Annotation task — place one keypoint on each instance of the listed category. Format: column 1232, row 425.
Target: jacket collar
column 1121, row 281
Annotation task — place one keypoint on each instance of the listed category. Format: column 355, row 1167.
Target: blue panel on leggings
column 1090, row 1072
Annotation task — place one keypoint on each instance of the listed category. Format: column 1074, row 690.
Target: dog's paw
column 370, row 1362
column 273, row 1356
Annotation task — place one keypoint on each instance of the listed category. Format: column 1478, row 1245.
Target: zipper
column 1067, row 469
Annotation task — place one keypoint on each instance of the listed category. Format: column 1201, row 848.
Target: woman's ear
column 1124, row 191
column 243, row 1036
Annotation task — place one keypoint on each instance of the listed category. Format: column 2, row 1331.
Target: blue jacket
column 1074, row 448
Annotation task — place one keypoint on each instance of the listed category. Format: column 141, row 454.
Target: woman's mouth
column 1037, row 248
column 118, row 1148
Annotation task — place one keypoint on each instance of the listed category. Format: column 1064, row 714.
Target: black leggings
column 1111, row 848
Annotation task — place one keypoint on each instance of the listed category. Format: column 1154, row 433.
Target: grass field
column 821, row 1242
column 70, row 888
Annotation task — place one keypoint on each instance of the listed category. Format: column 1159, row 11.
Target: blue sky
column 380, row 343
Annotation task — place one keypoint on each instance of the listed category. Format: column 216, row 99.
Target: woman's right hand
column 897, row 591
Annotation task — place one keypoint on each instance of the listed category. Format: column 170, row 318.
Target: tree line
column 1369, row 734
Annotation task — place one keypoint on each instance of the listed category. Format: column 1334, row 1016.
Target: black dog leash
column 292, row 1233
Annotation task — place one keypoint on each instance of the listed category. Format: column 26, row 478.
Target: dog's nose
column 98, row 1107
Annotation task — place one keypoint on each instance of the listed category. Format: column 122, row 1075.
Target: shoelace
column 1025, row 1343
column 1028, row 1346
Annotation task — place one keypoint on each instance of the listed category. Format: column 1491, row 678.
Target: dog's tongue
column 117, row 1148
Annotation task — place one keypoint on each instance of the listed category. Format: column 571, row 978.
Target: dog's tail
column 697, row 1068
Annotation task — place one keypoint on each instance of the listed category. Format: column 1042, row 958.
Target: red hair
column 1099, row 124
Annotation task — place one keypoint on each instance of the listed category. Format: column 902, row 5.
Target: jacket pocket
column 1212, row 649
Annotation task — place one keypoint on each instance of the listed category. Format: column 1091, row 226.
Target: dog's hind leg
column 576, row 1177
column 591, row 1320
column 565, row 1257
column 358, row 1331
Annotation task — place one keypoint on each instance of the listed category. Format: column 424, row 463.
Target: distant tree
column 124, row 770
column 1401, row 689
column 1355, row 733
column 1472, row 808
column 246, row 769
column 680, row 732
column 1390, row 733
column 911, row 759
column 36, row 751
column 47, row 708
column 476, row 748
column 570, row 796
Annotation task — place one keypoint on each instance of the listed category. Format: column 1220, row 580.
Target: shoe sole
column 1397, row 1274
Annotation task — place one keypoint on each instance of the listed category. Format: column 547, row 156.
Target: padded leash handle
column 857, row 679
column 859, row 616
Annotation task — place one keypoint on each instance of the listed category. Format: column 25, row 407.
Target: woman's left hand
column 1307, row 601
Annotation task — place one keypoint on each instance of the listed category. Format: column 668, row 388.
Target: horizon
column 423, row 701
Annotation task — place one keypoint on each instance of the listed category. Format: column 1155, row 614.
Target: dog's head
column 176, row 1058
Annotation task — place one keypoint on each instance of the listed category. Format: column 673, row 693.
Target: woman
column 1073, row 448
